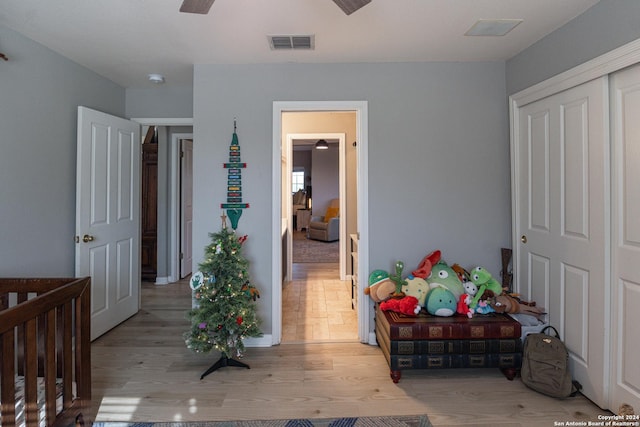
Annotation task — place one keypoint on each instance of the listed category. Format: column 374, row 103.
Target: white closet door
column 625, row 105
column 562, row 167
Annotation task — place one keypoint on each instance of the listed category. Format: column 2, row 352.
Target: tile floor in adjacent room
column 316, row 305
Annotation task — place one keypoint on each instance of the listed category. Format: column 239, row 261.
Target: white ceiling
column 124, row 40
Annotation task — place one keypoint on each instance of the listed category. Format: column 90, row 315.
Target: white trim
column 186, row 121
column 174, row 201
column 607, row 63
column 263, row 341
column 360, row 107
column 162, row 280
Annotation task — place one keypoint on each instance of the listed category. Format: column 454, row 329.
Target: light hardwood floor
column 316, row 306
column 142, row 371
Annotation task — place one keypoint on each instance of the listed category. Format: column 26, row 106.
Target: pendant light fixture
column 322, row 145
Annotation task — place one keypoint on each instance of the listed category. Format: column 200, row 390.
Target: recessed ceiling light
column 493, row 27
column 156, row 78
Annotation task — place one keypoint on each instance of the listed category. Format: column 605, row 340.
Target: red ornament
column 219, row 327
column 239, row 320
column 242, row 239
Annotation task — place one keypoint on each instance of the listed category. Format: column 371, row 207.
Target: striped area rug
column 388, row 421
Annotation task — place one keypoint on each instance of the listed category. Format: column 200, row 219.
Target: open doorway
column 353, row 191
column 317, row 293
column 325, row 185
column 174, row 139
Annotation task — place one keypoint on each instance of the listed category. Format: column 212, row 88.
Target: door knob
column 87, row 238
column 523, row 239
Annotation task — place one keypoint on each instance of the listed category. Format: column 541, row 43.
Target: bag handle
column 552, row 328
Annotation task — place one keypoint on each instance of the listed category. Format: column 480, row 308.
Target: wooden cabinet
column 303, row 216
column 149, row 212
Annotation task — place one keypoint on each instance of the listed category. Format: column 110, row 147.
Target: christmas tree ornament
column 197, row 279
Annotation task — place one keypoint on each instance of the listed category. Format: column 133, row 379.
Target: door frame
column 174, row 202
column 288, row 151
column 608, row 63
column 178, row 169
column 174, row 197
column 278, row 225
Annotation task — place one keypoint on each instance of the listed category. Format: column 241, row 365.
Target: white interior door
column 186, row 207
column 108, row 216
column 625, row 104
column 562, row 158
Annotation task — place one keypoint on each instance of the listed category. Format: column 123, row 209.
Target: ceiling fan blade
column 196, row 6
column 350, row 6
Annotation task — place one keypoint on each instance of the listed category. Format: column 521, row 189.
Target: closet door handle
column 523, row 238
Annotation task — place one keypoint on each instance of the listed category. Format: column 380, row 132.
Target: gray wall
column 325, row 178
column 607, row 25
column 39, row 95
column 438, row 156
column 159, row 101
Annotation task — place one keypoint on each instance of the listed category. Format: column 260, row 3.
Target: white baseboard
column 264, row 341
column 372, row 338
column 162, row 280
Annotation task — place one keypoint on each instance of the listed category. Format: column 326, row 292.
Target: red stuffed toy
column 424, row 269
column 463, row 305
column 407, row 305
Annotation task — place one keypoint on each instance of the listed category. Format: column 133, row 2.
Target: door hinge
column 181, row 255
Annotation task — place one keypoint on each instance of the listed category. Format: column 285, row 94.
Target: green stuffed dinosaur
column 484, row 281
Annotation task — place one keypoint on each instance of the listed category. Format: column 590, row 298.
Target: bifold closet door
column 625, row 301
column 561, row 160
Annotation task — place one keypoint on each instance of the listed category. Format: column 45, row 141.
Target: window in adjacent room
column 297, row 180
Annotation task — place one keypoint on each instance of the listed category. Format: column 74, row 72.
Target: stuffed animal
column 407, row 305
column 380, row 286
column 483, row 307
column 441, row 302
column 463, row 274
column 470, row 288
column 444, row 276
column 509, row 304
column 397, row 279
column 463, row 306
column 427, row 263
column 416, row 287
column 484, row 281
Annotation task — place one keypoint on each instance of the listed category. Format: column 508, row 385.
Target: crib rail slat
column 31, row 373
column 83, row 346
column 50, row 363
column 51, row 343
column 7, row 370
column 67, row 360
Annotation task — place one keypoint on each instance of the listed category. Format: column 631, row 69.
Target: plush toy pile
column 444, row 290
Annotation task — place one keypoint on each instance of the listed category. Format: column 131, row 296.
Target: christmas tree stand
column 222, row 362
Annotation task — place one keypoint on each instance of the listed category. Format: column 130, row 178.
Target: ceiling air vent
column 291, row 42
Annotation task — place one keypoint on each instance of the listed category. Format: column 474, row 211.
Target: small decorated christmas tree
column 224, row 312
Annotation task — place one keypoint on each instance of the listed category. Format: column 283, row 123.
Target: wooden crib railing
column 45, row 332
